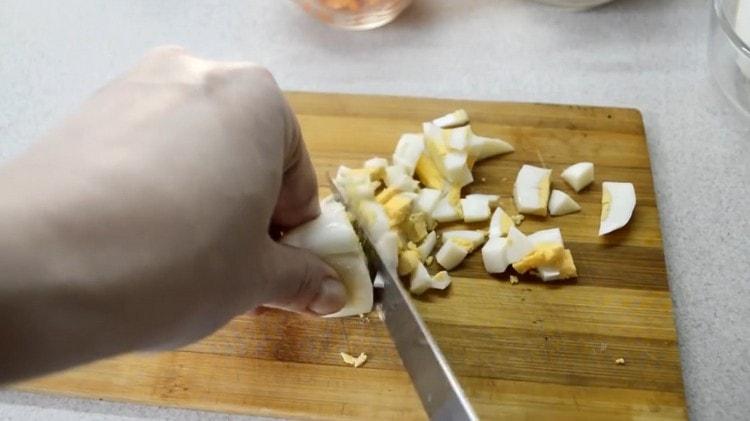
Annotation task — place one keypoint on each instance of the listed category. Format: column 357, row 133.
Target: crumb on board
column 429, row 260
column 379, row 311
column 355, row 362
column 483, row 179
column 513, row 279
column 361, row 315
column 517, row 219
column 620, row 361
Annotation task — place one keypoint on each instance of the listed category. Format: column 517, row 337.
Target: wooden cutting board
column 527, row 351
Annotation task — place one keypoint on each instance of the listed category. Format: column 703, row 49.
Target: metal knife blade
column 437, row 386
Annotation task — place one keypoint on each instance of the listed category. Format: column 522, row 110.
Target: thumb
column 299, row 281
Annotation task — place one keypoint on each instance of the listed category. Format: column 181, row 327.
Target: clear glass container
column 354, row 14
column 728, row 50
column 574, row 4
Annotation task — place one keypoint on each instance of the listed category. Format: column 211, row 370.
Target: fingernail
column 331, row 297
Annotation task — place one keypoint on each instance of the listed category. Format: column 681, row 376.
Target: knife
column 437, row 386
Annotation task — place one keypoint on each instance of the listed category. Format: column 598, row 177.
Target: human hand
column 152, row 205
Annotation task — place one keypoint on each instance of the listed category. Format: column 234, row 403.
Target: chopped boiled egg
column 332, row 237
column 398, row 207
column 476, row 207
column 494, row 255
column 562, row 204
column 454, row 119
column 451, row 254
column 518, row 245
column 500, row 223
column 428, row 173
column 373, row 218
column 427, row 199
column 485, row 147
column 550, row 259
column 415, row 227
column 428, row 244
column 408, row 150
column 408, row 261
column 531, row 190
column 458, row 138
column 618, row 203
column 377, row 167
column 397, row 176
column 579, row 175
column 447, row 210
column 441, row 280
column 470, row 239
column 456, row 170
column 420, row 280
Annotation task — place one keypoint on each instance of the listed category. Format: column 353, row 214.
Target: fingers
column 298, row 198
column 299, row 281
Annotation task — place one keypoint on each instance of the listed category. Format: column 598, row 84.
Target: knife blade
column 438, row 388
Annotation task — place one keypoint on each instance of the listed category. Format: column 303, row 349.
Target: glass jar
column 574, row 4
column 729, row 50
column 354, row 14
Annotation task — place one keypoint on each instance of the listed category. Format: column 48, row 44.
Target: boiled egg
column 618, row 203
column 531, row 190
column 332, row 237
column 454, row 119
column 579, row 175
column 562, row 204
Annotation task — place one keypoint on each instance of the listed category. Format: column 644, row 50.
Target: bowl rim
column 728, row 28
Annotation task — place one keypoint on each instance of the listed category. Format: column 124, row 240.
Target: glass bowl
column 728, row 50
column 574, row 4
column 354, row 14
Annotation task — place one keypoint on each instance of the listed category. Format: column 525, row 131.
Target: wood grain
column 525, row 351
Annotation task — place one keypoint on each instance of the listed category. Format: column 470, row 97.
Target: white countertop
column 647, row 54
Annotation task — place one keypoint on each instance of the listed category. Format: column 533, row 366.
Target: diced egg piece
column 399, row 207
column 387, row 248
column 330, row 233
column 579, row 175
column 551, row 236
column 618, row 203
column 490, row 198
column 408, row 261
column 454, row 119
column 458, row 138
column 485, row 147
column 476, row 207
column 445, row 211
column 500, row 223
column 473, row 239
column 518, row 245
column 550, row 259
column 451, row 254
column 408, row 150
column 330, row 237
column 428, row 173
column 543, row 256
column 396, row 176
column 372, row 217
column 415, row 227
column 494, row 255
column 420, row 280
column 441, row 280
column 427, row 245
column 531, row 190
column 562, row 204
column 427, row 199
column 456, row 169
column 377, row 167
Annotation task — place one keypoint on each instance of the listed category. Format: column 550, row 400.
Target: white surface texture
column 647, row 54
